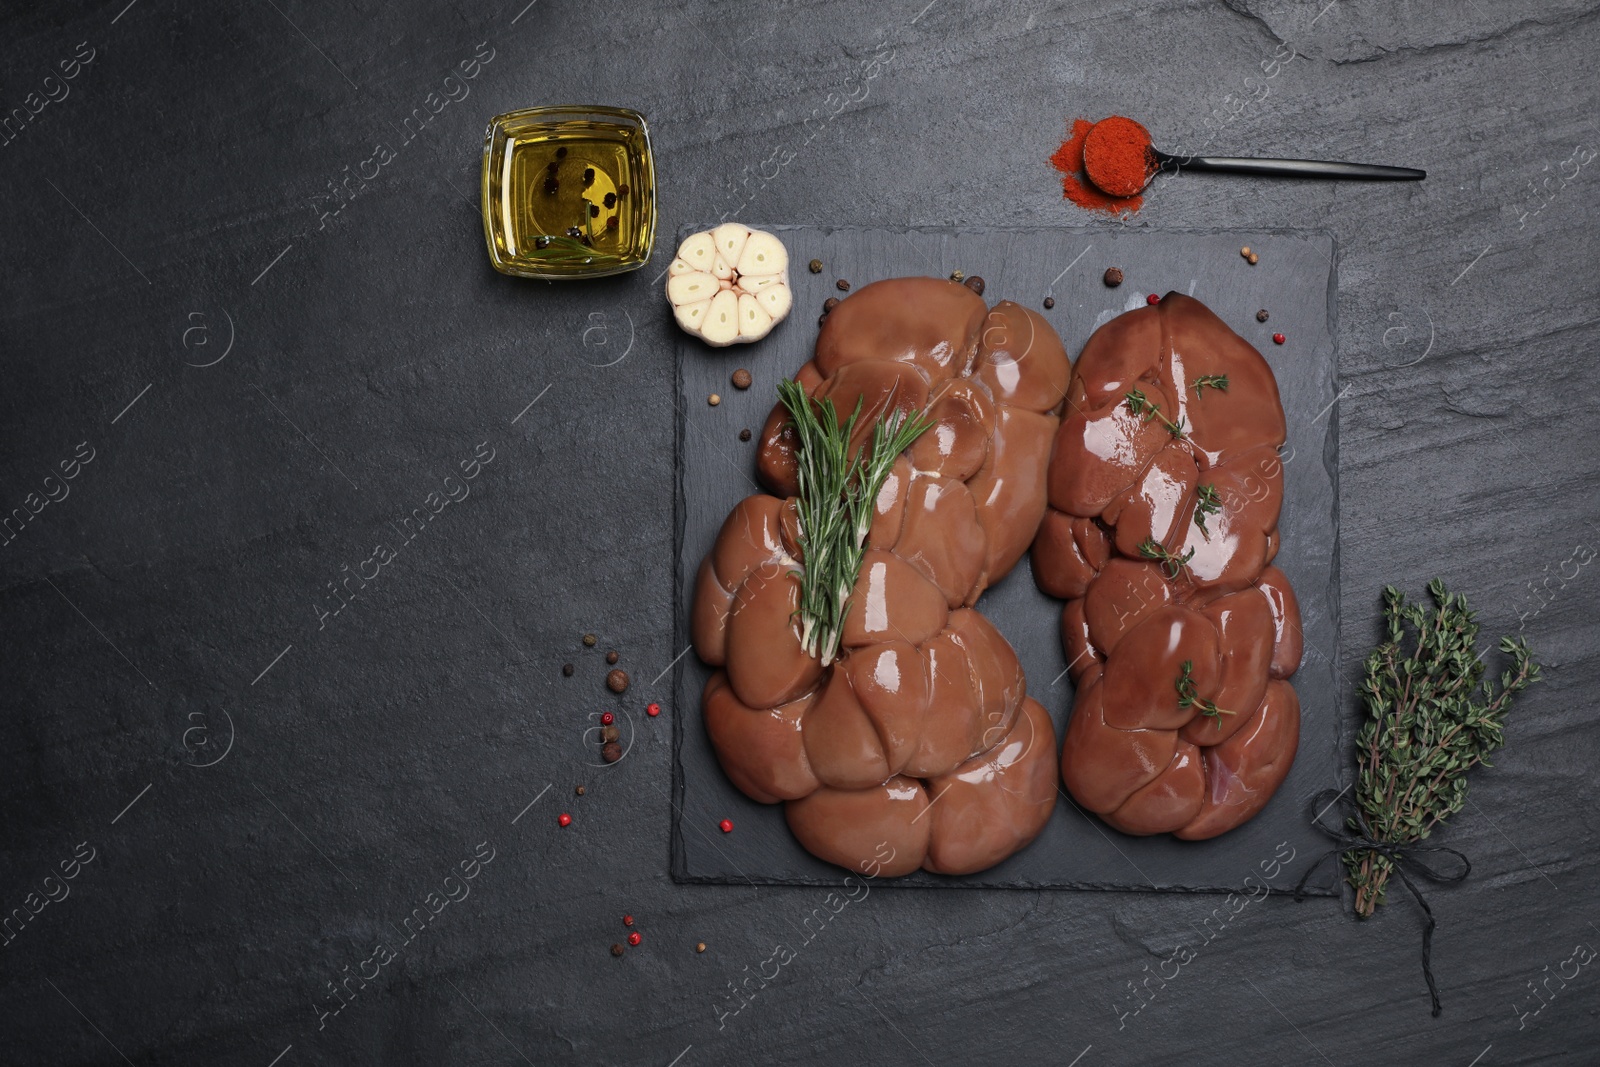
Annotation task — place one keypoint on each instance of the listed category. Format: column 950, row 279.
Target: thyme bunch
column 1170, row 564
column 1428, row 722
column 835, row 505
column 1187, row 698
column 1218, row 382
column 1139, row 404
column 1206, row 502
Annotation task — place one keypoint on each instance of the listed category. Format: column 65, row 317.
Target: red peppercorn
column 653, row 710
column 565, row 819
column 607, row 719
column 1153, row 298
column 627, row 920
column 634, row 938
column 726, row 825
column 1278, row 338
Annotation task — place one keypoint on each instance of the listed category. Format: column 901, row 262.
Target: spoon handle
column 1294, row 168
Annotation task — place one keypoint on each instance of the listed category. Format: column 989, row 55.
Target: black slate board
column 1294, row 280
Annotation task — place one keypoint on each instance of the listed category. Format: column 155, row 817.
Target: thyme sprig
column 1218, row 382
column 1206, row 502
column 1428, row 722
column 835, row 505
column 1187, row 697
column 1139, row 404
column 1170, row 564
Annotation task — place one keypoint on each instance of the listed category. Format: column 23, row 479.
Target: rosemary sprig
column 1218, row 382
column 1187, row 698
column 1206, row 502
column 1170, row 564
column 1427, row 725
column 835, row 506
column 1139, row 404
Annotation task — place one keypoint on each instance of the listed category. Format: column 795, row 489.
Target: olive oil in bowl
column 568, row 192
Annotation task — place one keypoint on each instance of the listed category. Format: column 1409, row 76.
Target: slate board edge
column 1344, row 728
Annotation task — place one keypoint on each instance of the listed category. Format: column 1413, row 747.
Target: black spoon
column 1282, row 168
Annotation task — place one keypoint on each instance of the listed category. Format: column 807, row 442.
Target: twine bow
column 1400, row 854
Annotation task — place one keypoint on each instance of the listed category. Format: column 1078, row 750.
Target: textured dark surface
column 716, row 470
column 194, row 151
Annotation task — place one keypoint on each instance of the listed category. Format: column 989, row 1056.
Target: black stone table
column 315, row 506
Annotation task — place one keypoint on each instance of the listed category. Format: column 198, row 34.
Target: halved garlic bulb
column 729, row 285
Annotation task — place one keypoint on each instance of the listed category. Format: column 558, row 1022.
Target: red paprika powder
column 1105, row 165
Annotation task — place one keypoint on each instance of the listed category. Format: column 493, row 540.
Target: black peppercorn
column 551, row 187
column 829, row 304
column 744, row 434
column 611, row 752
column 617, row 950
column 1049, row 302
column 611, row 200
column 1261, row 316
column 550, row 166
column 573, row 231
column 611, row 223
column 594, row 211
column 1113, row 277
column 567, row 669
column 842, row 285
column 541, row 242
column 622, row 189
column 588, row 177
column 609, row 734
column 613, row 656
column 816, row 266
column 561, row 153
column 617, row 681
column 974, row 283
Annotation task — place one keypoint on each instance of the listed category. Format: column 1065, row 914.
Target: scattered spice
column 655, row 709
column 606, row 719
column 611, row 752
column 617, row 681
column 1153, row 298
column 567, row 669
column 829, row 304
column 627, row 920
column 609, row 734
column 956, row 276
column 726, row 826
column 1075, row 184
column 551, row 187
column 551, row 166
column 634, row 938
column 622, row 189
column 843, row 285
column 699, row 946
column 617, row 950
column 594, row 211
column 541, row 242
column 561, row 153
column 611, row 223
column 588, row 177
column 589, row 640
column 975, row 283
column 564, row 819
column 1049, row 302
column 714, row 399
column 579, row 791
column 1261, row 316
column 613, row 656
column 742, row 379
column 1113, row 277
column 574, row 232
column 1245, row 252
column 1117, row 156
column 1278, row 338
column 611, row 200
column 744, row 435
column 815, row 266
column 1253, row 258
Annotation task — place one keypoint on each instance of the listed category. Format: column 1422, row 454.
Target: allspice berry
column 744, row 434
column 567, row 669
column 617, row 681
column 589, row 640
column 613, row 656
column 975, row 283
column 1261, row 316
column 617, row 950
column 1113, row 277
column 742, row 379
column 611, row 752
column 609, row 734
column 1253, row 258
column 829, row 304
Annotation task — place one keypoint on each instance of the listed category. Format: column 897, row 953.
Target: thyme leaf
column 1139, row 404
column 1187, row 698
column 1218, row 382
column 1170, row 564
column 1206, row 502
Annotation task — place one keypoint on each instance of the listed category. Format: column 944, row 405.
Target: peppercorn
column 611, row 200
column 816, row 266
column 1049, row 302
column 699, row 946
column 843, row 285
column 583, row 239
column 744, row 434
column 655, row 709
column 609, row 734
column 1113, row 277
column 551, row 187
column 956, row 276
column 611, row 223
column 564, row 819
column 627, row 920
column 551, row 166
column 742, row 379
column 617, row 681
column 1261, row 316
column 617, row 950
column 726, row 826
column 573, row 231
column 1245, row 251
column 594, row 211
column 589, row 640
column 611, row 752
column 1253, row 258
column 975, row 283
column 612, row 656
column 561, row 153
column 622, row 189
column 714, row 399
column 606, row 719
column 1153, row 298
column 579, row 790
column 1278, row 338
column 541, row 242
column 634, row 938
column 822, row 318
column 588, row 177
column 829, row 304
column 567, row 669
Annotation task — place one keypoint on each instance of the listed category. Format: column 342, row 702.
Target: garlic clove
column 690, row 316
column 677, row 267
column 691, row 288
column 722, row 269
column 730, row 239
column 776, row 300
column 760, row 282
column 762, row 254
column 754, row 322
column 699, row 251
column 720, row 324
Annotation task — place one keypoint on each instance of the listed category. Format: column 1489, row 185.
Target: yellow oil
column 568, row 192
